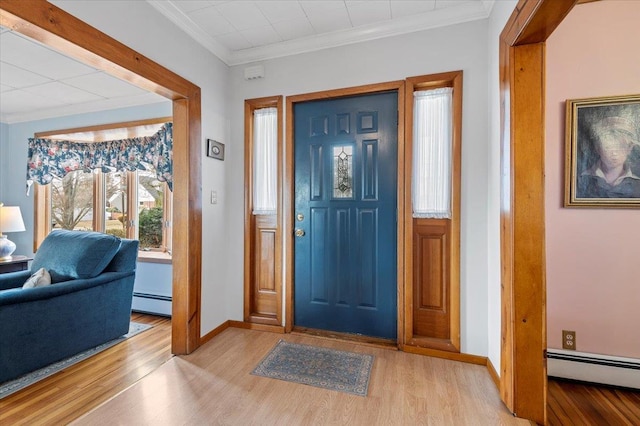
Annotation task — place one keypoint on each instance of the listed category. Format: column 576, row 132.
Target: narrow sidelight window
column 265, row 173
column 263, row 211
column 432, row 146
column 433, row 106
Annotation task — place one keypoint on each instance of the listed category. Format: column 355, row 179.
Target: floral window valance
column 49, row 158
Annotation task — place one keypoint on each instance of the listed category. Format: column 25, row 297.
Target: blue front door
column 345, row 214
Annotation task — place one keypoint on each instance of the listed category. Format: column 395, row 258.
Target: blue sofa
column 87, row 303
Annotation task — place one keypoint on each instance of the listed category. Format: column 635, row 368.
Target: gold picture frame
column 602, row 157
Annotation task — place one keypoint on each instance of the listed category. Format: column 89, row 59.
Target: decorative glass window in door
column 343, row 171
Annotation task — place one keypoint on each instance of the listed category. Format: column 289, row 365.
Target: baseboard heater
column 152, row 296
column 149, row 303
column 595, row 368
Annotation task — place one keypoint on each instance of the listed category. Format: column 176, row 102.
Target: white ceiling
column 241, row 31
column 37, row 82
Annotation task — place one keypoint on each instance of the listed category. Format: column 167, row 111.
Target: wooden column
column 526, row 323
column 187, row 226
column 523, row 375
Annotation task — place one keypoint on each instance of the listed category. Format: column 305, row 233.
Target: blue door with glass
column 345, row 214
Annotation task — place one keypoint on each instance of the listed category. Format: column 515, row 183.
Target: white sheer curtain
column 265, row 160
column 432, row 146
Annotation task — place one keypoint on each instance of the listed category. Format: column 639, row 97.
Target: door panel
column 345, row 210
column 431, row 298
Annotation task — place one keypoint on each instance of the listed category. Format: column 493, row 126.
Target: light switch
column 214, row 197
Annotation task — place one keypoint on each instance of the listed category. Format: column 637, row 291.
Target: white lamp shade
column 11, row 219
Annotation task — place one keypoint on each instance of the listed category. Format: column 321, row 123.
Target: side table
column 15, row 263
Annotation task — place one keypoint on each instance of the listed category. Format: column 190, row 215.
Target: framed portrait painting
column 602, row 147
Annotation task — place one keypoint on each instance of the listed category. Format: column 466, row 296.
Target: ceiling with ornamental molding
column 240, row 31
column 37, row 82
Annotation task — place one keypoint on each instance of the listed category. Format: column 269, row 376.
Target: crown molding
column 175, row 15
column 409, row 24
column 466, row 12
column 488, row 6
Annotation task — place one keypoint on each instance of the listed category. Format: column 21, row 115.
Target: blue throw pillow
column 75, row 254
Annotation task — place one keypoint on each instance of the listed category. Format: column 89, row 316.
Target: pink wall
column 593, row 255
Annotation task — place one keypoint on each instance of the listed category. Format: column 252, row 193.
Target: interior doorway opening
column 54, row 27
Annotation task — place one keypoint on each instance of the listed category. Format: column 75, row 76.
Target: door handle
column 299, row 232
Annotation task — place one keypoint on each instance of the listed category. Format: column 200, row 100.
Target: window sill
column 154, row 257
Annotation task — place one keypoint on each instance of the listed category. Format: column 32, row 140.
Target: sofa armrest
column 126, row 257
column 14, row 279
column 20, row 295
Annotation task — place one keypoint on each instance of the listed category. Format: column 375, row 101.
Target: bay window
column 135, row 204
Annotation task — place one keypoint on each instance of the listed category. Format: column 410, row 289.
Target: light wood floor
column 214, row 386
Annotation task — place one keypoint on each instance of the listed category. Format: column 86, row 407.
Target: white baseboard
column 596, row 368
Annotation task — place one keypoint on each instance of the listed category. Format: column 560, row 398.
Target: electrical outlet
column 214, row 197
column 569, row 340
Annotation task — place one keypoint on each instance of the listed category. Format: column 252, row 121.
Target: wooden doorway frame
column 289, row 190
column 523, row 378
column 69, row 35
column 523, row 382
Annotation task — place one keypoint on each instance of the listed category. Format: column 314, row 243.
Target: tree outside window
column 150, row 213
column 74, row 198
column 72, row 201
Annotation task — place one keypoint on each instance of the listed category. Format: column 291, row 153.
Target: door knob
column 299, row 232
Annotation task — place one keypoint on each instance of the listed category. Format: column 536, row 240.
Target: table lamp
column 10, row 221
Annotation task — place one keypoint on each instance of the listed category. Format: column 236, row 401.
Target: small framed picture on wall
column 602, row 147
column 215, row 149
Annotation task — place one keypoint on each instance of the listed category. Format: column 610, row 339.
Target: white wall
column 499, row 16
column 460, row 47
column 139, row 26
column 4, row 136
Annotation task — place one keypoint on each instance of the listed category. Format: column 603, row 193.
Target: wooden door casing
column 523, row 380
column 289, row 190
column 263, row 233
column 432, row 246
